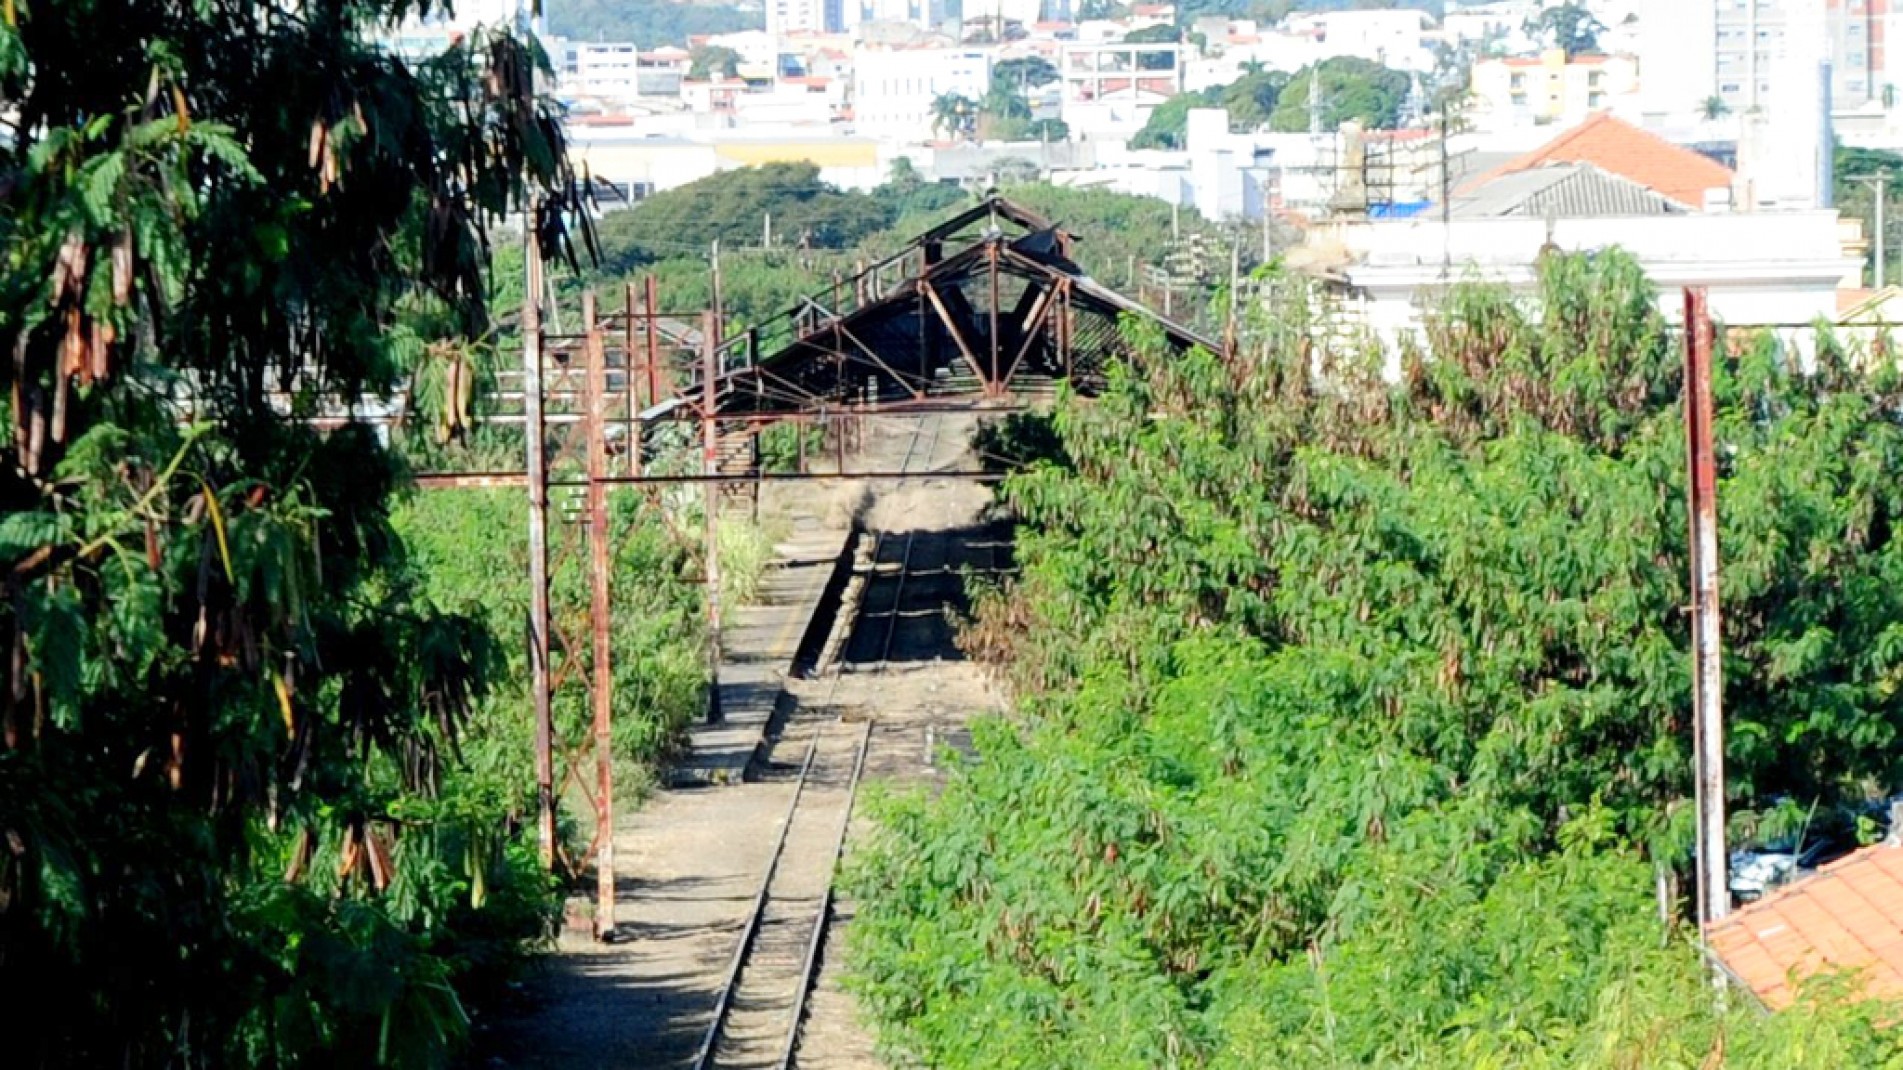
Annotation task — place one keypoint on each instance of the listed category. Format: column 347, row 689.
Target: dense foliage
column 734, row 207
column 1249, row 100
column 1855, row 173
column 645, row 23
column 1352, row 715
column 236, row 829
column 1352, row 89
column 1570, row 27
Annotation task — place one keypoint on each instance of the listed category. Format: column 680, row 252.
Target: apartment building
column 1551, row 88
column 893, row 89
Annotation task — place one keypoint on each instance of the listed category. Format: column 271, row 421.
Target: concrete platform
column 759, row 644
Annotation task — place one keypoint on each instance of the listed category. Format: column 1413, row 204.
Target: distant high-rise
column 1695, row 51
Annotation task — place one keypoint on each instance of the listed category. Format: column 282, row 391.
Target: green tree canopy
column 1160, row 34
column 732, row 206
column 235, row 833
column 1250, row 101
column 1350, row 721
column 1023, row 72
column 645, row 23
column 1352, row 89
column 1570, row 27
column 713, row 61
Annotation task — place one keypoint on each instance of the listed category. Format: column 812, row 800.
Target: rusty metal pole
column 710, row 465
column 654, row 345
column 600, row 670
column 632, row 383
column 1714, row 893
column 991, row 252
column 1065, row 326
column 536, row 450
column 720, row 308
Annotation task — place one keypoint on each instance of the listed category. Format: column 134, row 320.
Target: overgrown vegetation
column 1352, row 716
column 243, row 783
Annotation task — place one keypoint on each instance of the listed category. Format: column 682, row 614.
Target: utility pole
column 600, row 612
column 766, row 231
column 532, row 425
column 710, row 465
column 1879, row 184
column 719, row 310
column 1714, row 892
column 1235, row 282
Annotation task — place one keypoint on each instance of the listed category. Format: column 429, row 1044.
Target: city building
column 1551, row 88
column 1740, row 56
column 1488, row 24
column 1396, row 37
column 1109, row 90
column 893, row 91
column 1761, row 269
column 616, row 74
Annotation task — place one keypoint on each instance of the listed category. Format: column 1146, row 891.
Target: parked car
column 1755, row 872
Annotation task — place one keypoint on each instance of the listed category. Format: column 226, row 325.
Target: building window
column 1518, row 81
column 1596, row 100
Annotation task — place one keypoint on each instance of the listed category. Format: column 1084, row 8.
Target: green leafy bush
column 1352, row 716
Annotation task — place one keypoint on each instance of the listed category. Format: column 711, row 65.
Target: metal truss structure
column 925, row 329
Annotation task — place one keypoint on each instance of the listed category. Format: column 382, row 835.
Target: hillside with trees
column 646, row 23
column 1351, row 716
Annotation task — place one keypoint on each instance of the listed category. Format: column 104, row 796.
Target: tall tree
column 224, row 707
column 1571, row 27
column 953, row 115
column 713, row 61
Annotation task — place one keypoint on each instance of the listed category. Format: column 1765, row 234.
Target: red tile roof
column 1848, row 917
column 1623, row 149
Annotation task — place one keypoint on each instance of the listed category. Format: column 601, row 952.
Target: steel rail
column 809, row 967
column 705, row 1056
column 709, row 1041
column 905, row 557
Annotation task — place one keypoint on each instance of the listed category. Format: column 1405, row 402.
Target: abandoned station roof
column 987, row 294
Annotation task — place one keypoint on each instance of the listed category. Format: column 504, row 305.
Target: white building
column 1739, row 50
column 802, row 16
column 893, row 90
column 1395, row 37
column 1109, row 91
column 616, row 74
column 1764, row 269
column 1221, row 175
column 1478, row 24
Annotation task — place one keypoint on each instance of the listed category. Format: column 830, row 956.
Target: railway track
column 762, row 1000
